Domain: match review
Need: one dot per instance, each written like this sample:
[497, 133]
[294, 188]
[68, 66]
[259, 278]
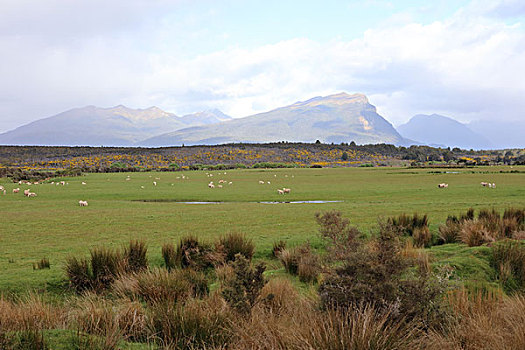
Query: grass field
[53, 225]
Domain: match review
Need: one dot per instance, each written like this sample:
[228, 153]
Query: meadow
[54, 226]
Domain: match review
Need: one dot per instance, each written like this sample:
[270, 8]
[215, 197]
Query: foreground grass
[52, 225]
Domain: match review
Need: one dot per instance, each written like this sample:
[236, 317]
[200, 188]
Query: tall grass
[235, 243]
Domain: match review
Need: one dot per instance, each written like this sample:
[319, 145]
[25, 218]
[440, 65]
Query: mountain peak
[338, 99]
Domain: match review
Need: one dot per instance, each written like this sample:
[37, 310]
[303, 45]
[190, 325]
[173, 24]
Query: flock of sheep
[484, 184]
[211, 184]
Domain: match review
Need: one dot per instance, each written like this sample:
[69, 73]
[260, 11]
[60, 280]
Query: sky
[463, 59]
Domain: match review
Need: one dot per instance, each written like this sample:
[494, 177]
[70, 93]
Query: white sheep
[280, 191]
[16, 190]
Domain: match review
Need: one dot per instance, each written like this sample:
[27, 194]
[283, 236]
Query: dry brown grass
[308, 328]
[30, 313]
[483, 322]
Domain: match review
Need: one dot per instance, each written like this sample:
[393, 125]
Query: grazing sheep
[442, 185]
[16, 190]
[1, 188]
[31, 194]
[220, 186]
[261, 182]
[484, 184]
[26, 192]
[83, 203]
[286, 190]
[268, 182]
[154, 183]
[83, 183]
[229, 183]
[280, 191]
[211, 185]
[493, 185]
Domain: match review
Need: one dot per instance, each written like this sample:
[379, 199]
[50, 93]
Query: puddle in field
[302, 202]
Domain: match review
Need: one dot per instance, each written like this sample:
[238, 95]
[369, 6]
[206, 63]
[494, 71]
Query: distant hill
[207, 117]
[501, 134]
[438, 130]
[95, 126]
[336, 118]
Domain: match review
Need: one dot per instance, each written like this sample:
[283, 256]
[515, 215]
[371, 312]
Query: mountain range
[335, 118]
[440, 131]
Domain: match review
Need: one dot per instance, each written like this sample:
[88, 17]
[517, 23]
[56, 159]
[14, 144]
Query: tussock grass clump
[29, 313]
[450, 231]
[135, 255]
[406, 224]
[488, 227]
[474, 233]
[113, 320]
[278, 247]
[422, 237]
[196, 324]
[42, 264]
[79, 274]
[233, 244]
[306, 328]
[508, 259]
[159, 285]
[169, 254]
[301, 261]
[106, 264]
[481, 323]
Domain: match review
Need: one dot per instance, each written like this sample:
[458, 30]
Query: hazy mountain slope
[336, 118]
[211, 116]
[439, 130]
[502, 134]
[94, 126]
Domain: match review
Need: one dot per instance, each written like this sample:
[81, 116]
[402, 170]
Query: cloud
[467, 66]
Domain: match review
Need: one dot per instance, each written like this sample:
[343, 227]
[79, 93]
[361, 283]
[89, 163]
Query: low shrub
[233, 244]
[193, 254]
[243, 288]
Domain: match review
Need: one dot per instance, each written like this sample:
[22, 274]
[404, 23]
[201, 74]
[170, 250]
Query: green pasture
[53, 225]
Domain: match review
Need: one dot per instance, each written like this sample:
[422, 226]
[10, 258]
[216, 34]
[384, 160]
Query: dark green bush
[193, 254]
[242, 289]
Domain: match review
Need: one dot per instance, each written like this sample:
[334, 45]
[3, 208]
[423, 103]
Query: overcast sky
[464, 59]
